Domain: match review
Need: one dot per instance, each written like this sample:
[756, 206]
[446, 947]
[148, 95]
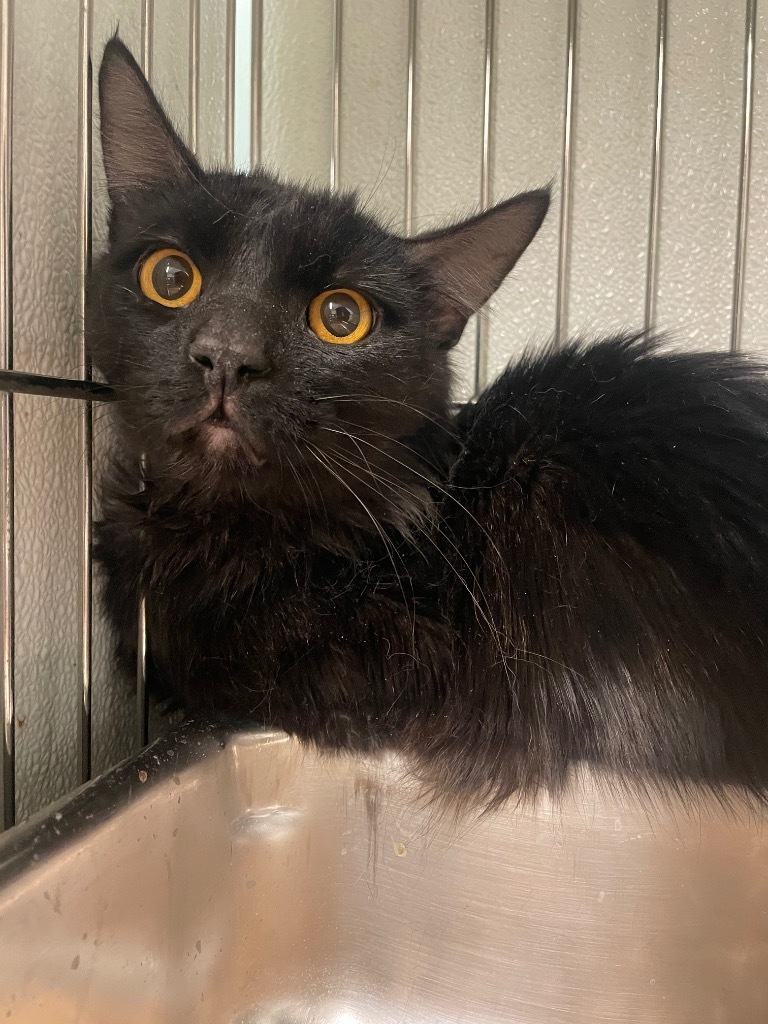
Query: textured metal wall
[49, 455]
[429, 107]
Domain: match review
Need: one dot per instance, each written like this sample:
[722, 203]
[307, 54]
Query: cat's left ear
[467, 262]
[140, 147]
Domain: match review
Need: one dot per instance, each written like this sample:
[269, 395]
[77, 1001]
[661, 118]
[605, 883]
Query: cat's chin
[221, 438]
[219, 443]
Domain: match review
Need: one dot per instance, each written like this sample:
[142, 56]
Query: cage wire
[242, 18]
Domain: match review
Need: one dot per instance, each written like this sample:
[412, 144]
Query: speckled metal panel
[47, 444]
[373, 103]
[296, 86]
[527, 132]
[612, 167]
[48, 454]
[701, 172]
[755, 337]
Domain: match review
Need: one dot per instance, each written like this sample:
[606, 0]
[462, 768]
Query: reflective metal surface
[242, 879]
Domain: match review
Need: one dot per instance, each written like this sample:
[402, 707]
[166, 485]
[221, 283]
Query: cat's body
[572, 569]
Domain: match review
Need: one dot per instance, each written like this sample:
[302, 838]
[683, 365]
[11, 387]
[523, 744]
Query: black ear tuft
[140, 147]
[468, 261]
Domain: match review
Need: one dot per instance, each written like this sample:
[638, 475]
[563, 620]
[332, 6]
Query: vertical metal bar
[257, 35]
[229, 103]
[338, 15]
[654, 221]
[564, 254]
[744, 177]
[489, 81]
[409, 114]
[8, 753]
[142, 697]
[194, 74]
[147, 36]
[84, 134]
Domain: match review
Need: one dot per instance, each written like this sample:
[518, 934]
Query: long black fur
[572, 570]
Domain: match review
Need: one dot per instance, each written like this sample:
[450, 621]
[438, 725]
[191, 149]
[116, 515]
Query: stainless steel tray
[238, 878]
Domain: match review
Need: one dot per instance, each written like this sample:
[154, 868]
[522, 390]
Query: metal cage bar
[229, 96]
[147, 36]
[486, 156]
[142, 697]
[85, 149]
[337, 18]
[654, 218]
[745, 171]
[8, 753]
[564, 249]
[21, 383]
[193, 85]
[257, 36]
[410, 99]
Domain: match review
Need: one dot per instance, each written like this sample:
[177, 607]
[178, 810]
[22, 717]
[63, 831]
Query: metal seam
[482, 331]
[409, 115]
[654, 217]
[193, 83]
[86, 412]
[564, 250]
[229, 96]
[147, 36]
[742, 224]
[257, 29]
[7, 692]
[337, 18]
[142, 697]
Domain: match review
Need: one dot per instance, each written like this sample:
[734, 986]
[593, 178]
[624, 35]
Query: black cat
[571, 570]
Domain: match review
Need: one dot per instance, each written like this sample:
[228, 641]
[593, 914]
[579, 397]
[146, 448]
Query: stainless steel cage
[250, 31]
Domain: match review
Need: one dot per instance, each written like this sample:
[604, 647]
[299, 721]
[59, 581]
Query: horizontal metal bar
[21, 383]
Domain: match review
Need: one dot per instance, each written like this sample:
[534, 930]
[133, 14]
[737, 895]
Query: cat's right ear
[140, 147]
[468, 261]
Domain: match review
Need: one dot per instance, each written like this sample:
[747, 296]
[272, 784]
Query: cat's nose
[228, 363]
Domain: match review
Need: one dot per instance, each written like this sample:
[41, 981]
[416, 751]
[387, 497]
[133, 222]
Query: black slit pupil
[340, 314]
[172, 277]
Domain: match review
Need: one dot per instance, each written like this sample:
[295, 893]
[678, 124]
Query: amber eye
[170, 278]
[340, 316]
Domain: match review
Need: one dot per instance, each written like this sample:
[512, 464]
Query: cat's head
[272, 344]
